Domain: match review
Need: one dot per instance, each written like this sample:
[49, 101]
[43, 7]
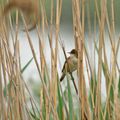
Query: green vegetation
[46, 100]
[66, 16]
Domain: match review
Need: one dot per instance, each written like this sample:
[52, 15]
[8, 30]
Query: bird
[70, 64]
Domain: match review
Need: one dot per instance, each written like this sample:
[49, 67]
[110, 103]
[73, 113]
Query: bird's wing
[68, 59]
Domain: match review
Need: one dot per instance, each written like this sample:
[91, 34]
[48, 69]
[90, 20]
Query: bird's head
[73, 52]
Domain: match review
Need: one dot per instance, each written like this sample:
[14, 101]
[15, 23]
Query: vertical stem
[101, 38]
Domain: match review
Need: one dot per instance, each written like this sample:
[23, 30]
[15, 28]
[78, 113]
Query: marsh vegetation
[89, 26]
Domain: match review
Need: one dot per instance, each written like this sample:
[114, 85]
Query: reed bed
[16, 99]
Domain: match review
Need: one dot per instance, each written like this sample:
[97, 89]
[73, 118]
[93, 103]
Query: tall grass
[16, 99]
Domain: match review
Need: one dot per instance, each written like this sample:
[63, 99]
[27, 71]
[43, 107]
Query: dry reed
[53, 103]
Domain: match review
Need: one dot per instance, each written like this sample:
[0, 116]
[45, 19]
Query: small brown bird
[70, 64]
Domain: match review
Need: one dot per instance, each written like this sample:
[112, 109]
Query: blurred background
[67, 37]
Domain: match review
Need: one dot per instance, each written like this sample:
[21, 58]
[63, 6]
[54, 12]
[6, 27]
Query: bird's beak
[68, 52]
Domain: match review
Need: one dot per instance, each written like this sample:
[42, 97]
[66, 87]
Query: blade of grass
[7, 88]
[60, 104]
[26, 66]
[34, 117]
[70, 101]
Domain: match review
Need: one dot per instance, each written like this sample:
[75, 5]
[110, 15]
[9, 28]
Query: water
[67, 38]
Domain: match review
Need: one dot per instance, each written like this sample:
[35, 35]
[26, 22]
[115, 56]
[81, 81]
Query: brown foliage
[27, 7]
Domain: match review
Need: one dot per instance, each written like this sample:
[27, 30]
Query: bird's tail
[62, 77]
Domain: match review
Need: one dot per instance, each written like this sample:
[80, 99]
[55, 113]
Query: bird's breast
[72, 64]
